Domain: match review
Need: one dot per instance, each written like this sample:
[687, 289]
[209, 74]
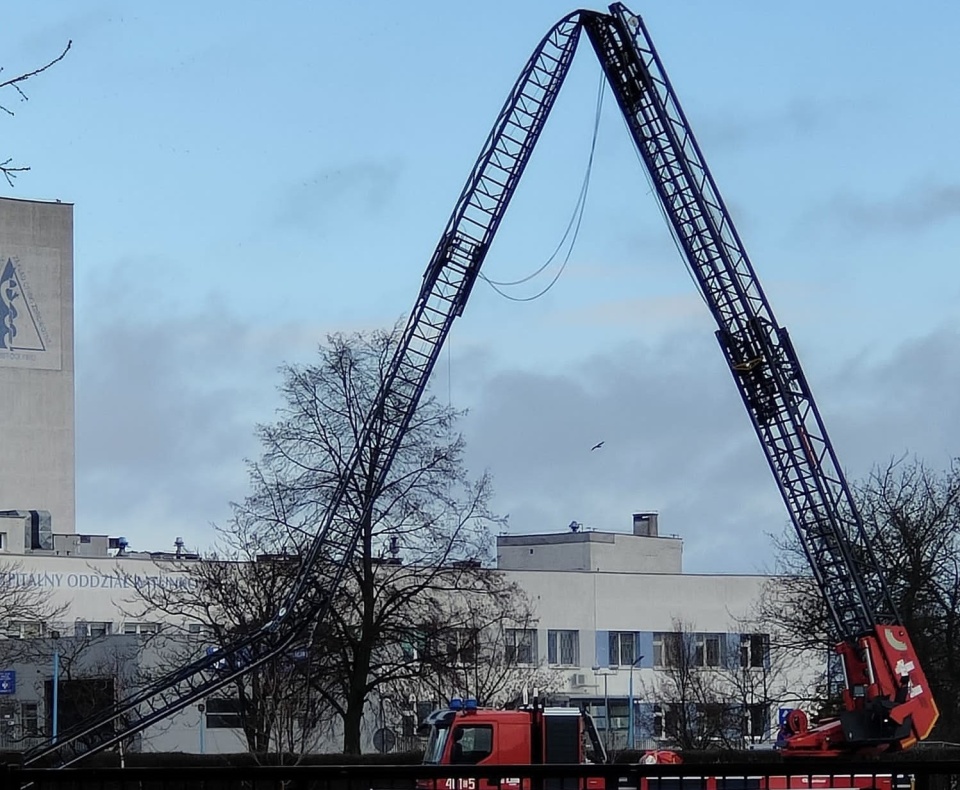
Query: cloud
[166, 410]
[801, 116]
[677, 440]
[915, 208]
[902, 403]
[333, 192]
[167, 402]
[662, 313]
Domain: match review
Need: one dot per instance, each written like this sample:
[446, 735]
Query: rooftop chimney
[645, 524]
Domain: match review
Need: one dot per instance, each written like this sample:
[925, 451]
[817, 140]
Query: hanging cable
[663, 211]
[573, 225]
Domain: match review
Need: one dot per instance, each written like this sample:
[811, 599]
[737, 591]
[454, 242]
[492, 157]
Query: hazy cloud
[915, 208]
[802, 115]
[677, 440]
[331, 192]
[166, 410]
[165, 416]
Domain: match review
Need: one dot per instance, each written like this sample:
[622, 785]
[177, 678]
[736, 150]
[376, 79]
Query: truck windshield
[433, 752]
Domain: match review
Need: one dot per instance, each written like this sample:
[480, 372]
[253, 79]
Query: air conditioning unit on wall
[580, 679]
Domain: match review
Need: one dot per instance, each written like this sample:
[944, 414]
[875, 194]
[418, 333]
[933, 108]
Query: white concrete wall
[89, 587]
[590, 551]
[592, 602]
[36, 359]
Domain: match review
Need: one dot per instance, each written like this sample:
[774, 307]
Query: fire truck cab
[466, 734]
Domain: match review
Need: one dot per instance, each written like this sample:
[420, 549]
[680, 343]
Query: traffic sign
[8, 681]
[384, 740]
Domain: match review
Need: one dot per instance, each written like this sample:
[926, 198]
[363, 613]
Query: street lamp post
[605, 673]
[55, 691]
[630, 739]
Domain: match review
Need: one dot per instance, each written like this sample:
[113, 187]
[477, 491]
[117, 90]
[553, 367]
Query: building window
[460, 647]
[425, 708]
[141, 628]
[25, 629]
[754, 650]
[667, 649]
[619, 715]
[30, 719]
[411, 648]
[598, 712]
[563, 648]
[757, 720]
[93, 630]
[223, 714]
[623, 648]
[671, 722]
[676, 649]
[521, 646]
[711, 652]
[200, 630]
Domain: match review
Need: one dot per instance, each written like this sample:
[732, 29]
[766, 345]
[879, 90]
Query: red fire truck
[465, 734]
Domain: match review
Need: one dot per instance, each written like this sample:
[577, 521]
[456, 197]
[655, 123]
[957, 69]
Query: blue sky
[249, 178]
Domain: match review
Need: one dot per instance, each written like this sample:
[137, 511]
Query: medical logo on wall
[30, 311]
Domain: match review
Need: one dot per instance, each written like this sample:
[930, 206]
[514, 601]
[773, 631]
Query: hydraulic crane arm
[888, 701]
[447, 283]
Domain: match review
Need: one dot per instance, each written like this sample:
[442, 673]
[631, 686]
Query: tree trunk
[352, 721]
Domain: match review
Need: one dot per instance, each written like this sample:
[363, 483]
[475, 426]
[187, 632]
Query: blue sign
[8, 681]
[782, 714]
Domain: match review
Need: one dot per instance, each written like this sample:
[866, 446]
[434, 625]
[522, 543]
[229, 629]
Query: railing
[806, 775]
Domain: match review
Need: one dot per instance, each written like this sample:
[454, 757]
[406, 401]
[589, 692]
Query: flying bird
[597, 446]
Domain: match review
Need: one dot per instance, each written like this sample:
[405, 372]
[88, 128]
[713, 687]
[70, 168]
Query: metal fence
[806, 775]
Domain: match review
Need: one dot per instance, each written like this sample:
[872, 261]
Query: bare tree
[913, 514]
[419, 570]
[477, 647]
[27, 611]
[15, 85]
[501, 659]
[424, 536]
[212, 602]
[94, 669]
[695, 704]
[721, 689]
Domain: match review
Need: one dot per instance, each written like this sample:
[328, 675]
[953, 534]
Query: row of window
[460, 646]
[669, 649]
[22, 720]
[34, 629]
[664, 721]
[674, 649]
